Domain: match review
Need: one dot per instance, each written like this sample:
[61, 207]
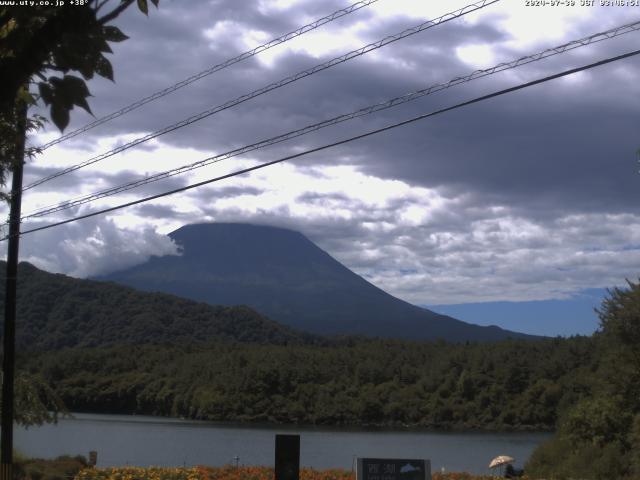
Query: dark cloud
[539, 187]
[313, 197]
[543, 150]
[212, 193]
[35, 172]
[149, 210]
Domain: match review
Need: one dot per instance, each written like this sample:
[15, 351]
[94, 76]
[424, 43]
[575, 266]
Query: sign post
[287, 457]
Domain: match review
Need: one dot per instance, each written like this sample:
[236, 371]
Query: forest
[509, 385]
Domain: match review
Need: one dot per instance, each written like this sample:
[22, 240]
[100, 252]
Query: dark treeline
[506, 385]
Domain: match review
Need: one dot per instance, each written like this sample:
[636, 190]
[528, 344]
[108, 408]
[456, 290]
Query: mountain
[56, 311]
[285, 276]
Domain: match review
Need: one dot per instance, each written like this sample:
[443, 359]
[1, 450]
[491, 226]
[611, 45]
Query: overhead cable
[272, 86]
[213, 69]
[611, 33]
[334, 144]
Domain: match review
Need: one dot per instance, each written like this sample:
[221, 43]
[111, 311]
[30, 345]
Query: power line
[216, 68]
[272, 86]
[340, 142]
[611, 33]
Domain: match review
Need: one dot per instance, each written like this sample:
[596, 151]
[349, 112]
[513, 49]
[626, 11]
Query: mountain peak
[234, 248]
[232, 228]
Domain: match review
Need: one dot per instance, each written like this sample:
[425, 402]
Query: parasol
[501, 460]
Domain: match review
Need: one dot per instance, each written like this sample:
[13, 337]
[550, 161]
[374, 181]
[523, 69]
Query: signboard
[393, 469]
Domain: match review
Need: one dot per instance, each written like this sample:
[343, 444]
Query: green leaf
[25, 96]
[113, 34]
[60, 96]
[144, 8]
[76, 84]
[104, 47]
[82, 102]
[76, 91]
[87, 66]
[155, 2]
[63, 58]
[70, 91]
[104, 68]
[60, 116]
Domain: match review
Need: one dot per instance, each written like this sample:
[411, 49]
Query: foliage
[41, 46]
[41, 39]
[599, 437]
[61, 468]
[620, 324]
[12, 124]
[139, 473]
[233, 473]
[35, 401]
[267, 473]
[517, 385]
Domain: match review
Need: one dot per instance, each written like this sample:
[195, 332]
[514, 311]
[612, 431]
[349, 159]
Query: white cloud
[478, 56]
[92, 247]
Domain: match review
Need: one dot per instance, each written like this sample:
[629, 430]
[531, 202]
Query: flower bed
[235, 473]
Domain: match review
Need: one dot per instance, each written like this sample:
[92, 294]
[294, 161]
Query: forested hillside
[508, 385]
[56, 311]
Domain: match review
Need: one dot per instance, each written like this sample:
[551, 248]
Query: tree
[599, 437]
[620, 329]
[620, 318]
[36, 402]
[40, 46]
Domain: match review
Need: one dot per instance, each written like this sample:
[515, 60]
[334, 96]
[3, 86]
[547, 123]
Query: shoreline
[390, 427]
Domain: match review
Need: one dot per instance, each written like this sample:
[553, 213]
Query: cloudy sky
[516, 211]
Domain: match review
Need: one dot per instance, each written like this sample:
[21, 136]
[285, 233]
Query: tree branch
[115, 12]
[100, 4]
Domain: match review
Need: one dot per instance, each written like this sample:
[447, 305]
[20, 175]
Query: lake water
[143, 441]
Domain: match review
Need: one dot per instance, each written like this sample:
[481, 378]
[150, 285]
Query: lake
[143, 441]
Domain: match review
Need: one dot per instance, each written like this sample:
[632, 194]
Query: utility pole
[9, 339]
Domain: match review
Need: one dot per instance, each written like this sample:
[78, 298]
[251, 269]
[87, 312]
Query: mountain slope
[56, 311]
[285, 276]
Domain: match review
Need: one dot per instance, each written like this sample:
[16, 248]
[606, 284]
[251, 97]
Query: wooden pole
[9, 339]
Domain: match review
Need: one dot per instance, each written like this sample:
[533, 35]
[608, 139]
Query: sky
[517, 211]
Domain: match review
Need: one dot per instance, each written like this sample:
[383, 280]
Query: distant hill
[56, 311]
[283, 275]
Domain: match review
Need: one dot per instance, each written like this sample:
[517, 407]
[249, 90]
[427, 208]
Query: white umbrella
[501, 460]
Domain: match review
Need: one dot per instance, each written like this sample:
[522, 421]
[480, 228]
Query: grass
[61, 468]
